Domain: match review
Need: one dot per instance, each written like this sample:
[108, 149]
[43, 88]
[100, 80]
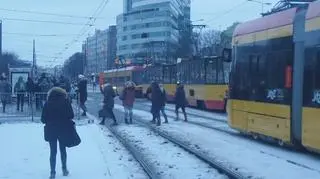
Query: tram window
[317, 71]
[184, 72]
[203, 72]
[221, 77]
[211, 74]
[276, 65]
[173, 74]
[166, 75]
[195, 70]
[136, 77]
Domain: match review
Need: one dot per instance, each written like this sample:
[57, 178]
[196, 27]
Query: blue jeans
[128, 112]
[164, 113]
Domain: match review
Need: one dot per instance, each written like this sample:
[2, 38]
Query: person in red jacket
[128, 98]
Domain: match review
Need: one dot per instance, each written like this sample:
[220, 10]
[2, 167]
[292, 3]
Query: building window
[124, 38]
[123, 47]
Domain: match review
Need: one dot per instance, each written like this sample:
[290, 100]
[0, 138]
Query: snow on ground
[170, 161]
[192, 111]
[204, 121]
[249, 157]
[25, 155]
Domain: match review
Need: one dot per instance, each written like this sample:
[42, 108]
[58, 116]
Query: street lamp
[262, 4]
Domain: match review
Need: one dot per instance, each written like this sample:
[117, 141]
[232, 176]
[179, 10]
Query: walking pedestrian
[64, 84]
[157, 102]
[148, 96]
[108, 103]
[57, 115]
[128, 98]
[163, 102]
[45, 85]
[5, 89]
[181, 101]
[83, 94]
[20, 89]
[30, 89]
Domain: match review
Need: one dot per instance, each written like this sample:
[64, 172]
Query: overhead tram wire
[226, 12]
[85, 29]
[44, 21]
[46, 13]
[36, 35]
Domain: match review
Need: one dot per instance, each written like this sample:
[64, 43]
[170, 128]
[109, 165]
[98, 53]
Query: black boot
[102, 122]
[130, 120]
[159, 122]
[177, 117]
[84, 113]
[185, 117]
[65, 172]
[166, 120]
[114, 123]
[52, 175]
[126, 121]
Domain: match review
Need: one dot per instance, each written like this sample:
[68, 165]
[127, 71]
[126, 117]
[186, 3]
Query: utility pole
[96, 34]
[0, 39]
[34, 62]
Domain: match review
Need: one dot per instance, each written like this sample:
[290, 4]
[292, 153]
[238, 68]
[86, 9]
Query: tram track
[231, 173]
[201, 124]
[145, 164]
[192, 114]
[152, 170]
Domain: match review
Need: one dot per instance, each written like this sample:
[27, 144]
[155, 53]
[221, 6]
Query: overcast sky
[216, 14]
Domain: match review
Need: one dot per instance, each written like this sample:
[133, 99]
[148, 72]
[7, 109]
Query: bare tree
[209, 42]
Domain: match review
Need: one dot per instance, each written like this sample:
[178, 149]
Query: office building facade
[150, 29]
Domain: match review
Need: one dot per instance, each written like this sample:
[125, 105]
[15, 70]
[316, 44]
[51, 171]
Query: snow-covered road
[248, 157]
[25, 155]
[170, 161]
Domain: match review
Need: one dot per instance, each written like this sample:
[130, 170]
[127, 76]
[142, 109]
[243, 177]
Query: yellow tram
[274, 87]
[117, 77]
[205, 81]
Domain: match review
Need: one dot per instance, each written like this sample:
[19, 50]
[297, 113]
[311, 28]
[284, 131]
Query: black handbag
[46, 133]
[73, 138]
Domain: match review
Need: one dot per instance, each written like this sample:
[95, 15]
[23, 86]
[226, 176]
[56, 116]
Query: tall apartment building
[150, 29]
[100, 50]
[112, 46]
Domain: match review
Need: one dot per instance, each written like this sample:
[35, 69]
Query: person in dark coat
[64, 84]
[57, 115]
[45, 85]
[157, 102]
[108, 103]
[83, 94]
[20, 89]
[30, 85]
[163, 102]
[30, 89]
[181, 101]
[5, 92]
[128, 98]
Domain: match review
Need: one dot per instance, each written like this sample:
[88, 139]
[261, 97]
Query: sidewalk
[24, 154]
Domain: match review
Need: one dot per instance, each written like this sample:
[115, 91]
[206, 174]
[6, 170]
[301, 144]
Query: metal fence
[29, 105]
